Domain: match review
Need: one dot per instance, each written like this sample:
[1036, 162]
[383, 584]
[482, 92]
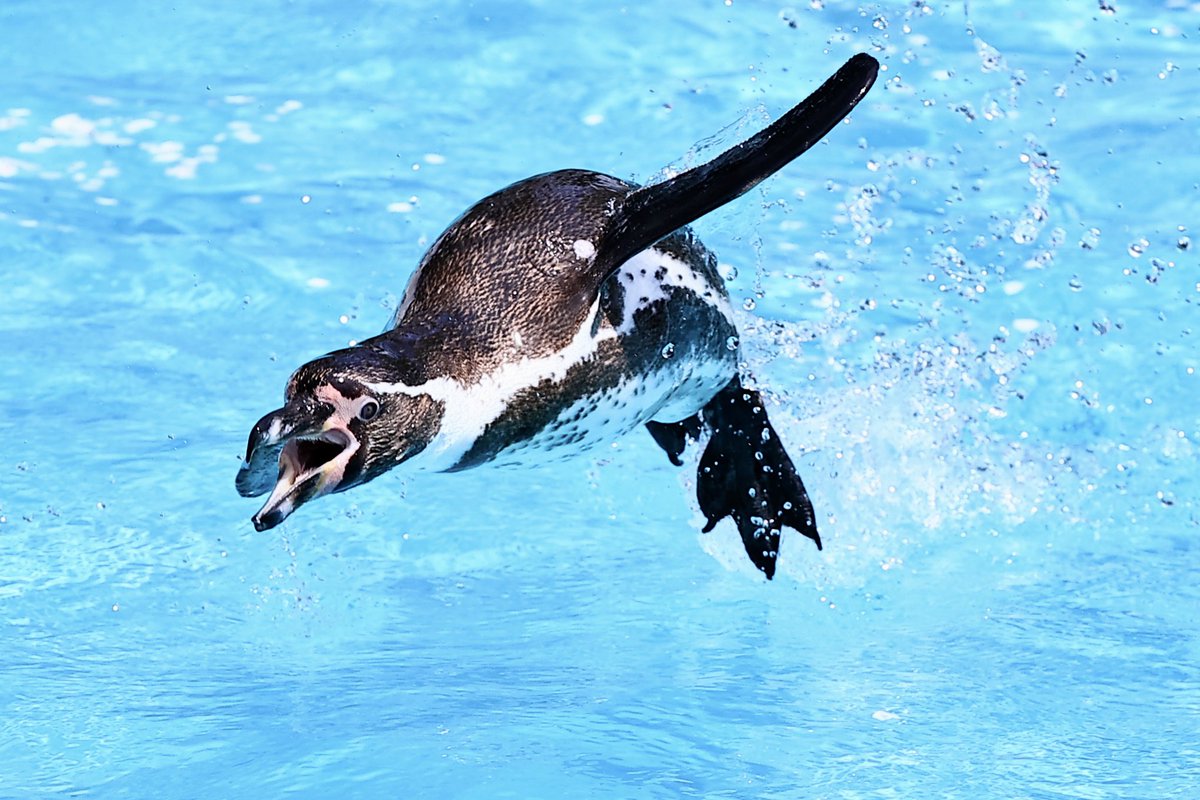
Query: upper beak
[296, 455]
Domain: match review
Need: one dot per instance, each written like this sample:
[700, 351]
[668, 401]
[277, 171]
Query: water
[974, 306]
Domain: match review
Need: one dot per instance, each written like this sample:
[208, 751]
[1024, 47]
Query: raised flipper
[648, 214]
[746, 474]
[673, 436]
[641, 216]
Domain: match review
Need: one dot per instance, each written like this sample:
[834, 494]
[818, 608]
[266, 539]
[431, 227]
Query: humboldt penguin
[555, 315]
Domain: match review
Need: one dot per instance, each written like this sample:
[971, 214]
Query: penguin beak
[296, 458]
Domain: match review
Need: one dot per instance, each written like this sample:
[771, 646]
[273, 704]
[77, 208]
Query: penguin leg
[673, 436]
[746, 474]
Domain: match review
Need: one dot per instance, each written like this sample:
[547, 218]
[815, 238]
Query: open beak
[296, 457]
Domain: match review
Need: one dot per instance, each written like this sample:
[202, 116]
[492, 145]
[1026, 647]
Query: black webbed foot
[673, 436]
[746, 474]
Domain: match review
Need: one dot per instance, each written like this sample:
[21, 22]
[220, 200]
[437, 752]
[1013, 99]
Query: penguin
[560, 313]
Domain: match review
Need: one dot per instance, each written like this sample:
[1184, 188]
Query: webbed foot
[746, 474]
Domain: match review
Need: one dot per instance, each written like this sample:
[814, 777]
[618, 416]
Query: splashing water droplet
[668, 350]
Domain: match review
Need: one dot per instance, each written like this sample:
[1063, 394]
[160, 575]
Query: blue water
[974, 305]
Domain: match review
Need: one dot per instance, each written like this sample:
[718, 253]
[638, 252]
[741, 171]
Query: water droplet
[728, 272]
[668, 350]
[731, 343]
[1184, 243]
[749, 304]
[1137, 248]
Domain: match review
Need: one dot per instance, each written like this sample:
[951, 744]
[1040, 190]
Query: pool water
[974, 308]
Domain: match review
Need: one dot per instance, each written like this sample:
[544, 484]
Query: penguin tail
[746, 474]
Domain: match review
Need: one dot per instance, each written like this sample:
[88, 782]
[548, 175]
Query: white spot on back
[584, 249]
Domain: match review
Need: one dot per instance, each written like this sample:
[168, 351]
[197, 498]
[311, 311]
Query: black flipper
[746, 474]
[673, 436]
[648, 214]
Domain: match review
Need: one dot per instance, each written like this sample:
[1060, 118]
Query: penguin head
[333, 432]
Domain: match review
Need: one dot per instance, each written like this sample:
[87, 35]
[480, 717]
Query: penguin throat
[310, 454]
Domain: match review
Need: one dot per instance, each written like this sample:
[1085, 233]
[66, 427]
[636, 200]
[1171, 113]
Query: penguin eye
[368, 410]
